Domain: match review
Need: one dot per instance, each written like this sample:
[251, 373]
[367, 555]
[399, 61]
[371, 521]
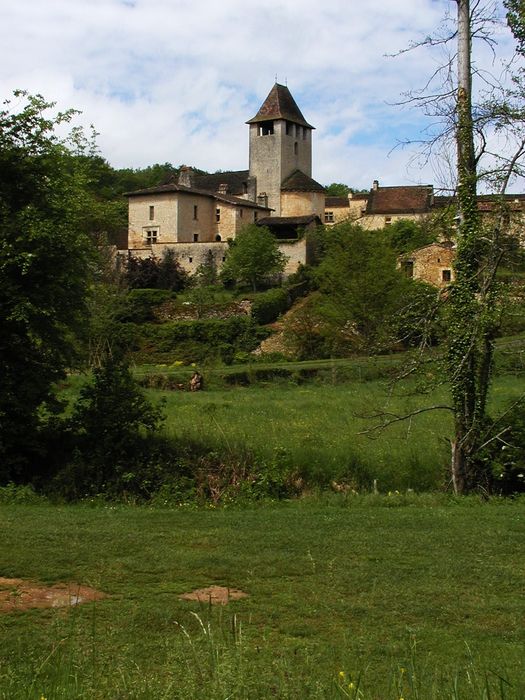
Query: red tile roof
[280, 105]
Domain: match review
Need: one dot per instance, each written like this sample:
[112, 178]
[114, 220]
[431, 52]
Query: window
[195, 211]
[408, 268]
[304, 133]
[190, 260]
[195, 237]
[218, 238]
[289, 129]
[266, 128]
[388, 220]
[329, 217]
[241, 213]
[255, 215]
[295, 148]
[217, 215]
[223, 258]
[297, 131]
[446, 275]
[150, 235]
[151, 213]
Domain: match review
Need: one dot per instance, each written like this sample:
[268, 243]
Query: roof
[414, 199]
[299, 182]
[444, 245]
[486, 202]
[174, 187]
[289, 220]
[336, 202]
[235, 179]
[280, 105]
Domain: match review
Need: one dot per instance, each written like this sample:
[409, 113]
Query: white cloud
[175, 80]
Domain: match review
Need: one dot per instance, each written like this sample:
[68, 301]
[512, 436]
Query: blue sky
[176, 80]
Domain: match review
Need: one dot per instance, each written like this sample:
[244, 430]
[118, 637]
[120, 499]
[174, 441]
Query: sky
[176, 80]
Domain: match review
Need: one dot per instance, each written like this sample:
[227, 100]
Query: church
[199, 213]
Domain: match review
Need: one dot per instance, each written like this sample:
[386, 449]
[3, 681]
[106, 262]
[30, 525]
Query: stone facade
[432, 264]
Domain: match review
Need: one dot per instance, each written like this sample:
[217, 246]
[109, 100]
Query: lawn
[407, 596]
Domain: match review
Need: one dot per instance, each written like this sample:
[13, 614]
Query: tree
[44, 270]
[253, 256]
[474, 301]
[156, 273]
[337, 189]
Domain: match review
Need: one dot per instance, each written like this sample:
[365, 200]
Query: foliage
[269, 305]
[107, 433]
[156, 273]
[405, 235]
[360, 288]
[140, 304]
[195, 341]
[44, 266]
[206, 275]
[337, 189]
[506, 455]
[253, 256]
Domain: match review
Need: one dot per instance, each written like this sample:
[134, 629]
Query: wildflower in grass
[342, 675]
[351, 686]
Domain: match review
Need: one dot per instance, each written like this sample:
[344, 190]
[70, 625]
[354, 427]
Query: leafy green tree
[405, 235]
[44, 270]
[337, 189]
[253, 256]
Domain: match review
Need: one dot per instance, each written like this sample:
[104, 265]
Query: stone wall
[431, 264]
[302, 204]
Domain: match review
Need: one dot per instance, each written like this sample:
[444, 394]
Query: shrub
[269, 305]
[140, 304]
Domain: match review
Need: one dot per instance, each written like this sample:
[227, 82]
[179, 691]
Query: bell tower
[280, 144]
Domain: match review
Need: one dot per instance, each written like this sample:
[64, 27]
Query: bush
[197, 341]
[268, 306]
[140, 304]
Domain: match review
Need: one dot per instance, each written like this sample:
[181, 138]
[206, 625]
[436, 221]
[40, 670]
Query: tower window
[289, 129]
[266, 128]
[255, 215]
[195, 237]
[195, 211]
[296, 148]
[304, 133]
[151, 213]
[218, 238]
[217, 215]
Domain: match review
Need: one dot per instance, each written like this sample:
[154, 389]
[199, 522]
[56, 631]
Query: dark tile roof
[174, 187]
[236, 181]
[486, 202]
[414, 199]
[288, 220]
[336, 202]
[280, 105]
[299, 182]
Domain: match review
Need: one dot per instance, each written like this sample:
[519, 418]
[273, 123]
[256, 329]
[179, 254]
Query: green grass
[366, 585]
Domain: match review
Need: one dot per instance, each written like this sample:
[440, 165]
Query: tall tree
[44, 266]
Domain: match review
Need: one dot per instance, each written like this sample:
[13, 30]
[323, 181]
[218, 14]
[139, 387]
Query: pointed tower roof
[280, 105]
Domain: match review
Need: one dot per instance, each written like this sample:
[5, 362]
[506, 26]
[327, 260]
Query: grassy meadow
[370, 597]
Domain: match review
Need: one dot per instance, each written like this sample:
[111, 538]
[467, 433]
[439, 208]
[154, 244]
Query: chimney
[223, 188]
[262, 199]
[186, 176]
[375, 185]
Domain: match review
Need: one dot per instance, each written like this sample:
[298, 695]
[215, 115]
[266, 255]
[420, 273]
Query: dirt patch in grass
[216, 595]
[18, 594]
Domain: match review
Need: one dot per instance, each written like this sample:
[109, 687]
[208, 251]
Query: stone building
[198, 214]
[432, 263]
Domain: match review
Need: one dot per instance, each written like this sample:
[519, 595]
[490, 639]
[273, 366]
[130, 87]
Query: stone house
[432, 263]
